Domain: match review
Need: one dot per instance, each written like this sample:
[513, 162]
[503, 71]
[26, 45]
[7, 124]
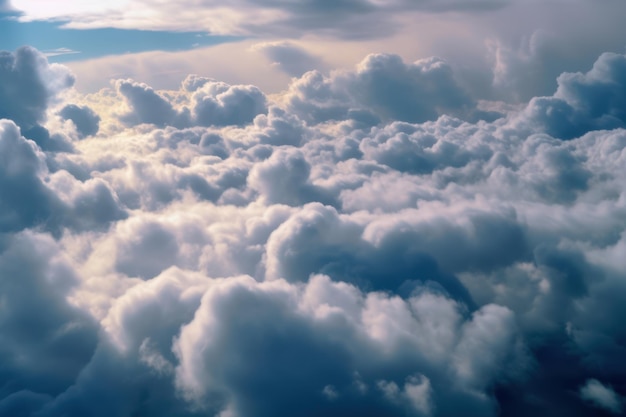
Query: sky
[399, 208]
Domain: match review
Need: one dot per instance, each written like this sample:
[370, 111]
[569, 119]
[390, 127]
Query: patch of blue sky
[64, 45]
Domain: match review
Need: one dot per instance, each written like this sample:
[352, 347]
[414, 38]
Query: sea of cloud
[372, 242]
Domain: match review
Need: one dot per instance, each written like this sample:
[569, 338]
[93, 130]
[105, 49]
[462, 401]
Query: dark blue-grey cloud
[5, 5]
[393, 256]
[45, 342]
[27, 201]
[353, 19]
[413, 93]
[87, 122]
[147, 106]
[49, 142]
[28, 85]
[583, 102]
[30, 202]
[142, 324]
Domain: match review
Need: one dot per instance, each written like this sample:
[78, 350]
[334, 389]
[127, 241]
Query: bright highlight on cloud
[601, 396]
[375, 241]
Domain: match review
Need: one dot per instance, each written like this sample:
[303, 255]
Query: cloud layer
[358, 18]
[374, 241]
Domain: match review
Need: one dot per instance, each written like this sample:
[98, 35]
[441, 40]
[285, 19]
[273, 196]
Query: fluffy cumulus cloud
[374, 241]
[384, 86]
[29, 85]
[208, 103]
[583, 102]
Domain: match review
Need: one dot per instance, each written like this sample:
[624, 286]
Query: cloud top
[371, 241]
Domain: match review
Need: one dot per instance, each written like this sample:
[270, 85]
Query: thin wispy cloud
[245, 17]
[59, 51]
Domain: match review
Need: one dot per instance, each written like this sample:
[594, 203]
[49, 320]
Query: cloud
[359, 18]
[388, 88]
[529, 45]
[29, 84]
[60, 51]
[87, 122]
[39, 326]
[147, 106]
[290, 58]
[307, 339]
[363, 243]
[211, 103]
[601, 396]
[582, 102]
[416, 151]
[528, 57]
[284, 178]
[28, 201]
[220, 104]
[34, 200]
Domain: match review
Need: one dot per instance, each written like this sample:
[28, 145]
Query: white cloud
[59, 51]
[601, 396]
[323, 251]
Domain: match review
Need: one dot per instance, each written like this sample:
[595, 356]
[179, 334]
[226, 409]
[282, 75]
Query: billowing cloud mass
[29, 85]
[374, 241]
[211, 103]
[583, 102]
[384, 87]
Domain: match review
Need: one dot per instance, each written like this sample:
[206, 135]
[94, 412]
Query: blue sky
[339, 208]
[50, 37]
